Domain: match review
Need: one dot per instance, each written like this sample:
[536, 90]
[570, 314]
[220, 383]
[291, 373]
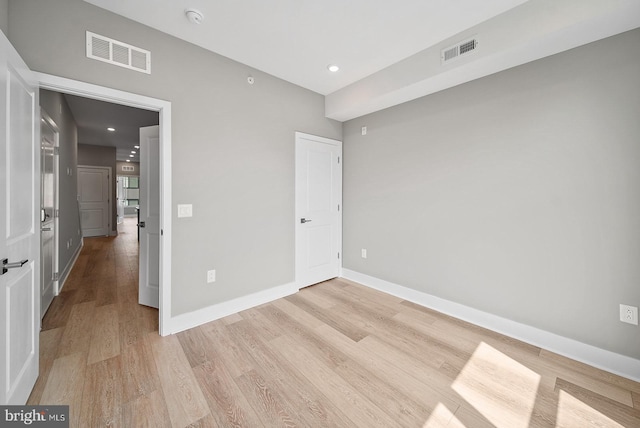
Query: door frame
[299, 136]
[102, 93]
[109, 198]
[44, 116]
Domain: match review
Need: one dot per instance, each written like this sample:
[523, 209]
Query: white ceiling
[295, 40]
[388, 50]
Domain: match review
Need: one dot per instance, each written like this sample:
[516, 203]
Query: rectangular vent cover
[460, 49]
[128, 168]
[118, 53]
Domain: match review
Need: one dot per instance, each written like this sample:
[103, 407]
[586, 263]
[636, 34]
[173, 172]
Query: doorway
[68, 86]
[318, 190]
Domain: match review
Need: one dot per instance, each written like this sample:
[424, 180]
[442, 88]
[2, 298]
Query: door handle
[305, 220]
[6, 265]
[141, 224]
[45, 229]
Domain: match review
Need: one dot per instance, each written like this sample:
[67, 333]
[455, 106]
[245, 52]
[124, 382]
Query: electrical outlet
[363, 253]
[364, 130]
[629, 314]
[211, 276]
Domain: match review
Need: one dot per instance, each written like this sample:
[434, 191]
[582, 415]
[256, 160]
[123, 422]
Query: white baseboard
[211, 313]
[606, 360]
[67, 270]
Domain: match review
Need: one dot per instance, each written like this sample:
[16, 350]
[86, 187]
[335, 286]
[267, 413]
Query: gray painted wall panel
[517, 194]
[233, 144]
[69, 224]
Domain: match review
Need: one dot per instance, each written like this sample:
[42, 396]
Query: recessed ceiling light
[128, 160]
[333, 68]
[137, 147]
[130, 156]
[133, 151]
[110, 129]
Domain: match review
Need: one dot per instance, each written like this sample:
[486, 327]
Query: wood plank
[186, 404]
[339, 323]
[228, 405]
[58, 313]
[77, 333]
[594, 408]
[339, 392]
[105, 337]
[65, 384]
[146, 411]
[139, 373]
[308, 401]
[102, 397]
[195, 346]
[49, 340]
[266, 400]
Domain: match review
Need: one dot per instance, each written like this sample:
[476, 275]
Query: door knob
[6, 265]
[141, 224]
[305, 220]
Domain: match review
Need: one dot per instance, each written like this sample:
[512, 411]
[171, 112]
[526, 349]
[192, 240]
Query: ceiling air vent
[460, 49]
[117, 53]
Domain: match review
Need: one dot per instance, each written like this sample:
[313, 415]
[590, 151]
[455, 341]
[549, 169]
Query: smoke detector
[194, 16]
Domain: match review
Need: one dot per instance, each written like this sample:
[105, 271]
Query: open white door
[49, 135]
[149, 276]
[19, 227]
[318, 205]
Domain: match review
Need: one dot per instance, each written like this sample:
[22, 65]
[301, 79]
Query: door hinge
[338, 159]
[338, 255]
[56, 213]
[338, 207]
[56, 151]
[161, 232]
[56, 276]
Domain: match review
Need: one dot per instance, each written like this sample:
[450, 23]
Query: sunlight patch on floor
[442, 417]
[573, 413]
[498, 387]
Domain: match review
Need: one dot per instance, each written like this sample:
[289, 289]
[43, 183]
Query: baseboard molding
[211, 313]
[67, 270]
[606, 360]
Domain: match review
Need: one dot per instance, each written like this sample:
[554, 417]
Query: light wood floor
[336, 354]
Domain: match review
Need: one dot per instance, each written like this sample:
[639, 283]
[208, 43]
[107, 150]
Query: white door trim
[109, 198]
[88, 90]
[299, 136]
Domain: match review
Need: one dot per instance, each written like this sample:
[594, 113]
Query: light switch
[185, 210]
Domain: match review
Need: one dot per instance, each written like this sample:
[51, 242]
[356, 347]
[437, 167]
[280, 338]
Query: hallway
[95, 318]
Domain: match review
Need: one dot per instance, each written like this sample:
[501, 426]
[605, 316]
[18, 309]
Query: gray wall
[517, 194]
[56, 107]
[233, 144]
[4, 16]
[89, 155]
[135, 165]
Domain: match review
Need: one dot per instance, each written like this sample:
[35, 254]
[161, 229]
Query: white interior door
[19, 227]
[48, 205]
[94, 191]
[149, 272]
[318, 205]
